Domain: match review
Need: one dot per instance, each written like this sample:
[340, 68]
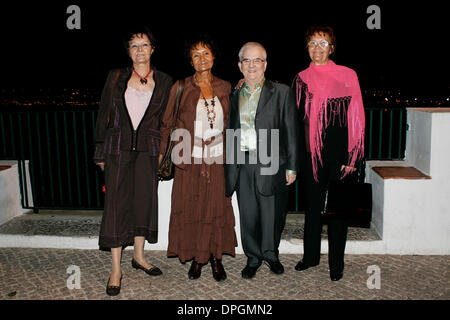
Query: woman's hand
[348, 169]
[101, 165]
[239, 84]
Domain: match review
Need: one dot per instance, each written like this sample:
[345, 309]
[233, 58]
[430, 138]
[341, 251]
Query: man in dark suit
[261, 158]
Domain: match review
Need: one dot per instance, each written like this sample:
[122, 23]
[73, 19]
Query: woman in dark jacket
[332, 115]
[127, 147]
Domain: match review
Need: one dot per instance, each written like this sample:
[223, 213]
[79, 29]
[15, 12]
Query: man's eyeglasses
[257, 61]
[321, 43]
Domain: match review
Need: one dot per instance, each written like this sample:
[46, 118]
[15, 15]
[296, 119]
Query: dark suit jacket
[114, 130]
[276, 110]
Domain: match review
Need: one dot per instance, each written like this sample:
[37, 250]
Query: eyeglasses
[321, 43]
[256, 61]
[135, 46]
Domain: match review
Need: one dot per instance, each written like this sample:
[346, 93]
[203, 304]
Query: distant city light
[373, 98]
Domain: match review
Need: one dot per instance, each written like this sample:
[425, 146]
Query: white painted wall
[418, 140]
[10, 202]
[164, 195]
[413, 216]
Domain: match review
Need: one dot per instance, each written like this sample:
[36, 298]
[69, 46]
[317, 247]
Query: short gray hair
[251, 45]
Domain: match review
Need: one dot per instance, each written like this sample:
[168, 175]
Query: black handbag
[350, 200]
[165, 169]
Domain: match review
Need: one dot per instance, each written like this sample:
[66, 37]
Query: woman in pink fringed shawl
[332, 114]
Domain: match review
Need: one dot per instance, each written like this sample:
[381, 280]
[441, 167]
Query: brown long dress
[202, 220]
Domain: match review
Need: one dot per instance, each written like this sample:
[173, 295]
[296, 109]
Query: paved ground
[87, 223]
[43, 274]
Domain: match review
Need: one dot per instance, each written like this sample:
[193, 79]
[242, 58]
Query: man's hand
[290, 178]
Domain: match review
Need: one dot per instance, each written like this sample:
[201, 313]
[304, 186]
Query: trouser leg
[315, 200]
[337, 238]
[270, 221]
[280, 218]
[249, 216]
[312, 232]
[312, 237]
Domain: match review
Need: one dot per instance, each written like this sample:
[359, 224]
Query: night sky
[408, 52]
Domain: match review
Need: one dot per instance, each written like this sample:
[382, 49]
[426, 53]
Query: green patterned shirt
[248, 103]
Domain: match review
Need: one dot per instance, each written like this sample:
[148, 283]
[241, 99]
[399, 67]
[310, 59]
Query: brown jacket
[187, 109]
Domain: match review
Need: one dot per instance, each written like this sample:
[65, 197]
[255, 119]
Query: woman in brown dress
[127, 147]
[202, 221]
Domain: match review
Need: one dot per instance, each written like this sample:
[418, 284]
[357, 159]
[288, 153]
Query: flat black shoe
[336, 276]
[113, 290]
[301, 266]
[195, 271]
[276, 266]
[153, 271]
[249, 272]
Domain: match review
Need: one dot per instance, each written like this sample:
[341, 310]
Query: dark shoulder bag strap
[178, 98]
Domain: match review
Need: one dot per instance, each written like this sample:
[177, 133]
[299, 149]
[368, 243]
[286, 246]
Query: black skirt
[131, 200]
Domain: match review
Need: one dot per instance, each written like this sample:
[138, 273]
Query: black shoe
[301, 266]
[153, 271]
[113, 290]
[336, 276]
[249, 272]
[195, 271]
[276, 266]
[218, 270]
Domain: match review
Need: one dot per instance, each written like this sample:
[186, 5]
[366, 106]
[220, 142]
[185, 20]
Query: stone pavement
[27, 273]
[86, 224]
[42, 274]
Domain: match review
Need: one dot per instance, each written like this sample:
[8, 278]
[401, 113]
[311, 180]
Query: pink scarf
[327, 82]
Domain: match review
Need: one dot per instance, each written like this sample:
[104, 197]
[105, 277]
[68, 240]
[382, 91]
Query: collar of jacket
[258, 87]
[266, 93]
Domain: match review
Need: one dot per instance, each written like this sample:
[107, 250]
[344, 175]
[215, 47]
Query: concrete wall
[413, 216]
[418, 140]
[164, 203]
[10, 201]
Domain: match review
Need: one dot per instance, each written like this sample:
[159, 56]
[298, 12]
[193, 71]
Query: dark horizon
[41, 52]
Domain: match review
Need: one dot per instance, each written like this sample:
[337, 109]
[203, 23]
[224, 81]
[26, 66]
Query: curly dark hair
[203, 39]
[321, 29]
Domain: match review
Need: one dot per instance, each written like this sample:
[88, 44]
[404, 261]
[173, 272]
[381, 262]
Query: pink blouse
[137, 102]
